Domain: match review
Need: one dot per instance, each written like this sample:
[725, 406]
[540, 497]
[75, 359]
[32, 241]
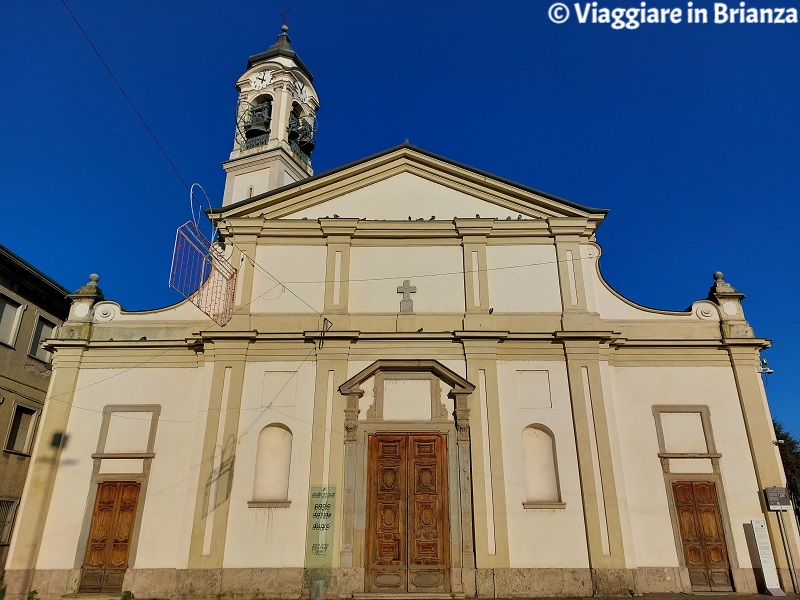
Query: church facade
[424, 387]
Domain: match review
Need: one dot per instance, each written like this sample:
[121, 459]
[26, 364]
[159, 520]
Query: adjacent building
[410, 378]
[32, 306]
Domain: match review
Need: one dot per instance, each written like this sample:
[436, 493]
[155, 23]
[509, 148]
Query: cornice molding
[315, 190]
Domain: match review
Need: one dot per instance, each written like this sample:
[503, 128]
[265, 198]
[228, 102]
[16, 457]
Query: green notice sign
[319, 535]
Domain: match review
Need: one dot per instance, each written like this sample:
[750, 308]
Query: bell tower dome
[275, 124]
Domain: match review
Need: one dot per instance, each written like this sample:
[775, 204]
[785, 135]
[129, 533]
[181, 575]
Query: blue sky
[688, 133]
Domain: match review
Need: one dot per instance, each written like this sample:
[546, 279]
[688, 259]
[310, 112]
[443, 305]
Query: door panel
[386, 528]
[702, 535]
[407, 527]
[110, 537]
[428, 544]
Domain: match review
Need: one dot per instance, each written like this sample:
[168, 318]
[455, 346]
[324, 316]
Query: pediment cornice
[283, 202]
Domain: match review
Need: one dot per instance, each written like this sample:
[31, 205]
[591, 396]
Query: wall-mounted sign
[319, 534]
[778, 498]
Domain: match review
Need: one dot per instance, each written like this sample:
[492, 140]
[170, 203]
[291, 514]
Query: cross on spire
[406, 304]
[285, 14]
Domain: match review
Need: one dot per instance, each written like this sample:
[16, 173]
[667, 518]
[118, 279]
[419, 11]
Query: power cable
[121, 89]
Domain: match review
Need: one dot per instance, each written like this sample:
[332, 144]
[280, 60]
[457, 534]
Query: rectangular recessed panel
[280, 389]
[683, 432]
[128, 432]
[407, 400]
[533, 389]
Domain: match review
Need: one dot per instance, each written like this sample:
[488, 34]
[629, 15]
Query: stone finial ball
[284, 28]
[94, 277]
[718, 276]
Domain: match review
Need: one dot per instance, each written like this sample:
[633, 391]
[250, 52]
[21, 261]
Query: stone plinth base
[288, 583]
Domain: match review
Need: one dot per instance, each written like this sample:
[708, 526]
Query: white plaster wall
[523, 279]
[241, 184]
[528, 528]
[271, 537]
[635, 391]
[375, 274]
[405, 195]
[173, 474]
[301, 268]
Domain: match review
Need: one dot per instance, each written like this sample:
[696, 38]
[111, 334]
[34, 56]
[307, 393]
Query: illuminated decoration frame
[201, 273]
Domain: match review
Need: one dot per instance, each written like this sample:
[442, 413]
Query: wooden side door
[702, 535]
[407, 525]
[110, 537]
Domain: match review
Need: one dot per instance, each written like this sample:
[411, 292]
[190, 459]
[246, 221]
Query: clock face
[300, 90]
[262, 79]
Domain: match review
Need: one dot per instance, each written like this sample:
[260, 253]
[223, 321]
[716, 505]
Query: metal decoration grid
[202, 274]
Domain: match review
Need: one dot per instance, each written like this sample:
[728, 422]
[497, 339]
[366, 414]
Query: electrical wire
[121, 89]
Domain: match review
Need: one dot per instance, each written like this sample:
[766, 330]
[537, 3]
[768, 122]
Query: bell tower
[275, 124]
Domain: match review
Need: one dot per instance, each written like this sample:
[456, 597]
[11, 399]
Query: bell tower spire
[275, 123]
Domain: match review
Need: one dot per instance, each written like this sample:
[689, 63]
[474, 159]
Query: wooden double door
[408, 541]
[110, 537]
[702, 535]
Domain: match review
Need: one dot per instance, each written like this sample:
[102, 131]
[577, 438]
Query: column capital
[338, 228]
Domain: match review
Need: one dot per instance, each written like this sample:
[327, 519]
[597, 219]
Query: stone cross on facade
[406, 304]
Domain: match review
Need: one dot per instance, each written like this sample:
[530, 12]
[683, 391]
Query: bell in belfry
[258, 126]
[259, 120]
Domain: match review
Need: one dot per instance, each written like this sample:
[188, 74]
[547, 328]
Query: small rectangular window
[8, 509]
[9, 319]
[43, 330]
[23, 425]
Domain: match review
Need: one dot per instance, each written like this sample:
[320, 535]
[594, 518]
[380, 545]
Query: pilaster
[601, 504]
[338, 236]
[209, 528]
[244, 257]
[485, 433]
[38, 491]
[473, 234]
[744, 355]
[744, 351]
[328, 423]
[568, 234]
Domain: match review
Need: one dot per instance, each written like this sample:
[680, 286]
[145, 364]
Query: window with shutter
[10, 312]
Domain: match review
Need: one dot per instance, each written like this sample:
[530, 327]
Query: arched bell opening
[257, 122]
[301, 130]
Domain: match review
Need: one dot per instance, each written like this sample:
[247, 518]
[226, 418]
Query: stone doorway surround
[459, 465]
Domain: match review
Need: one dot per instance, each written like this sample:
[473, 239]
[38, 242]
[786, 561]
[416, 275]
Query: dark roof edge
[23, 264]
[291, 54]
[354, 163]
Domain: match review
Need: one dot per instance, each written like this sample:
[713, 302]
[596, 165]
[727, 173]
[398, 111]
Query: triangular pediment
[407, 182]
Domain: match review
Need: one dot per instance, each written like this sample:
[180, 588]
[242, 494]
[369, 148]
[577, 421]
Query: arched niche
[541, 467]
[273, 465]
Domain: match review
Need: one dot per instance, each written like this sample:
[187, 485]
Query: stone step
[410, 596]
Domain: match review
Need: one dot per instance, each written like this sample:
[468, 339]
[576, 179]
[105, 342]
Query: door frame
[103, 460]
[455, 513]
[451, 420]
[716, 479]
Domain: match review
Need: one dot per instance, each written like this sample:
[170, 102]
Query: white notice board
[766, 557]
